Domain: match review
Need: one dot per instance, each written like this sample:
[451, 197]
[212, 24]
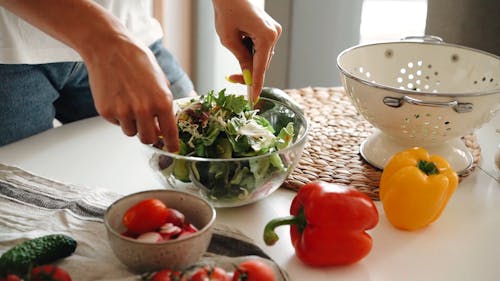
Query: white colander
[421, 93]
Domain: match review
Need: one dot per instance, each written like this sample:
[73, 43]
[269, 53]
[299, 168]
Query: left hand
[237, 19]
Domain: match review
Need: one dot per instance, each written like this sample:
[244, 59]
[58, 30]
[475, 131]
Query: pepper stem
[429, 168]
[270, 236]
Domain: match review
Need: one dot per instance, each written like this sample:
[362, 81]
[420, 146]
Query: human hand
[130, 90]
[237, 19]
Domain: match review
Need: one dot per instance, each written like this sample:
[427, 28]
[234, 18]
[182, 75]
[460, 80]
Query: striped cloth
[31, 206]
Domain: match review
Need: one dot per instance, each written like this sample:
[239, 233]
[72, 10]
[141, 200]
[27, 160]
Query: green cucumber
[181, 171]
[42, 250]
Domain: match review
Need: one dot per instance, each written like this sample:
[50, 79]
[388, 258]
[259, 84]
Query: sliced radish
[188, 229]
[175, 217]
[150, 237]
[169, 231]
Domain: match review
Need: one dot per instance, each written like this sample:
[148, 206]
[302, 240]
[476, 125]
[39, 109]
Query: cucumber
[42, 250]
[181, 171]
[224, 148]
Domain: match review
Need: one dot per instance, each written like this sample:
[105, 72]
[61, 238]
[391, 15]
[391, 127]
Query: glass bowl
[235, 181]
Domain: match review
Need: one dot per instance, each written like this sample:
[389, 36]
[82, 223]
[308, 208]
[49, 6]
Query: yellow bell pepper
[415, 188]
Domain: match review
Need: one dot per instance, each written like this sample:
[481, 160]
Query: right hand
[237, 19]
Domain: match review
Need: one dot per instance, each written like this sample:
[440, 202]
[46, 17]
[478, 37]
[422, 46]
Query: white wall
[176, 19]
[389, 20]
[317, 31]
[314, 33]
[278, 72]
[213, 62]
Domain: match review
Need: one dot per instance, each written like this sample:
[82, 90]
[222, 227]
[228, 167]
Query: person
[74, 59]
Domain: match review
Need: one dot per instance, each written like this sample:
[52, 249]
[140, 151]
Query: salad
[224, 126]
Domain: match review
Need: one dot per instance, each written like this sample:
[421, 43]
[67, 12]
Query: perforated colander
[421, 93]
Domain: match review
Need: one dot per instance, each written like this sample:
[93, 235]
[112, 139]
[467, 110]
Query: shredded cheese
[259, 136]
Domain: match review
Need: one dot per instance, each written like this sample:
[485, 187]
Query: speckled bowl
[174, 254]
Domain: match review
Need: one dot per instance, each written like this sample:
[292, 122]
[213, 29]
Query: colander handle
[457, 106]
[424, 38]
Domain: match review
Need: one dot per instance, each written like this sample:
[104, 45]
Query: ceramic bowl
[173, 254]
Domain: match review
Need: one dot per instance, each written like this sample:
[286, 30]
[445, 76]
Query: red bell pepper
[328, 224]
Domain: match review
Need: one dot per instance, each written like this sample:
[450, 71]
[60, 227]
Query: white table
[464, 244]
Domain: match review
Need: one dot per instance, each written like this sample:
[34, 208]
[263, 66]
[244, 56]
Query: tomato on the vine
[208, 273]
[49, 272]
[145, 216]
[11, 277]
[253, 270]
[167, 275]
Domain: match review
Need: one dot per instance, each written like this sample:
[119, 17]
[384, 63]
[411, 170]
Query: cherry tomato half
[145, 216]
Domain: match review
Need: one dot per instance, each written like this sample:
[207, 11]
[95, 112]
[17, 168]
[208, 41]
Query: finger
[168, 128]
[128, 127]
[236, 78]
[260, 62]
[111, 120]
[236, 45]
[264, 50]
[270, 58]
[146, 127]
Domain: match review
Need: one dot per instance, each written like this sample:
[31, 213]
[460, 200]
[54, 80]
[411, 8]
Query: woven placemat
[332, 151]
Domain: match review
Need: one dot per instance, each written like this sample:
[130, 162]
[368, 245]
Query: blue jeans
[31, 96]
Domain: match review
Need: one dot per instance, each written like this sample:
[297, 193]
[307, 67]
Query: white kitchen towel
[31, 206]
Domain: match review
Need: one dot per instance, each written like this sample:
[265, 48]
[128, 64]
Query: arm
[237, 18]
[127, 84]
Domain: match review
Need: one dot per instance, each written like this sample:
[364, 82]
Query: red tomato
[253, 270]
[207, 273]
[167, 275]
[49, 273]
[11, 277]
[145, 216]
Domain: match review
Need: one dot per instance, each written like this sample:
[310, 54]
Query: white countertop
[462, 245]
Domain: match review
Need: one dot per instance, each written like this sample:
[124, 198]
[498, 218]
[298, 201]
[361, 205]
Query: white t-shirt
[22, 43]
